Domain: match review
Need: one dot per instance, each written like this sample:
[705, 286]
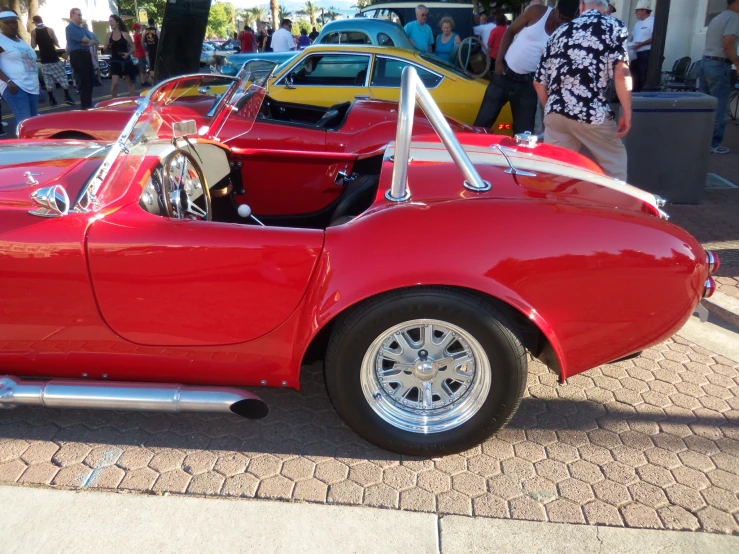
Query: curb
[724, 307]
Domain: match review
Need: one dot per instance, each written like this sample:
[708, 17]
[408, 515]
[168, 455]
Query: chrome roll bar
[412, 89]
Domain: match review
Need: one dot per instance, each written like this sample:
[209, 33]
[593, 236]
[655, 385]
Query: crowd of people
[22, 84]
[568, 63]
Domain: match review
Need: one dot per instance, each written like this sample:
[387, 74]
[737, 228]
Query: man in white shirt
[642, 39]
[282, 40]
[484, 29]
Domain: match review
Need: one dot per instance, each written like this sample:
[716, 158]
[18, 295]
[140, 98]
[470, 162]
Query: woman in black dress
[121, 47]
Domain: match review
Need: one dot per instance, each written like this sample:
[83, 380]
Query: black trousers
[639, 69]
[81, 61]
[514, 88]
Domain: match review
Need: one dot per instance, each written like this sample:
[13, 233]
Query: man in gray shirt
[715, 67]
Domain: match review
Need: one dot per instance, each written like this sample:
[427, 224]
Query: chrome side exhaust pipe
[121, 395]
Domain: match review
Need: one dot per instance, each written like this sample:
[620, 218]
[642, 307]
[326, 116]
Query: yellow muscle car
[326, 75]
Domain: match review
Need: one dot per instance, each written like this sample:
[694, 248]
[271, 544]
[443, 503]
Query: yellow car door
[323, 79]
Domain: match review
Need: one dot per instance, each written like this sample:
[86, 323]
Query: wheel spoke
[428, 396]
[406, 382]
[406, 343]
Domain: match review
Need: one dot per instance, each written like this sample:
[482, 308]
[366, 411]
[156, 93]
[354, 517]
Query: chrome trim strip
[112, 395]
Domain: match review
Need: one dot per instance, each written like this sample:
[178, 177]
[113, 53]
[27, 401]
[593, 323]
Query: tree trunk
[32, 11]
[15, 5]
[274, 7]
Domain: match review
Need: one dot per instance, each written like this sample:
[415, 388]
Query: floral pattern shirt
[579, 62]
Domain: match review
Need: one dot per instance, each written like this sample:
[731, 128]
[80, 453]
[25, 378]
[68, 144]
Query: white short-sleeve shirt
[282, 41]
[643, 31]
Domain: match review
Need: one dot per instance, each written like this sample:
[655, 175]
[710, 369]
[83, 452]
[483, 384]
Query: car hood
[27, 166]
[545, 173]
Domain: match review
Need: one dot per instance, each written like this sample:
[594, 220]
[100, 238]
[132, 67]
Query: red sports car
[140, 274]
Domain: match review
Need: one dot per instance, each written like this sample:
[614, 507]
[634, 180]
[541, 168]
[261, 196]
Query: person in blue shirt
[447, 40]
[79, 41]
[421, 35]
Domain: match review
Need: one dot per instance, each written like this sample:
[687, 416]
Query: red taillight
[709, 287]
[505, 127]
[714, 262]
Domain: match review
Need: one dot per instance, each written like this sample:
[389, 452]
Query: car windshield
[170, 111]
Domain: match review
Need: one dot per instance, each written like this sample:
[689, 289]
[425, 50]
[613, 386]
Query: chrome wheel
[425, 376]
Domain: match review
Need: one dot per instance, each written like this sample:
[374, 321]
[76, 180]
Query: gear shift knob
[244, 211]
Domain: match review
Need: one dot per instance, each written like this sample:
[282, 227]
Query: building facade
[686, 28]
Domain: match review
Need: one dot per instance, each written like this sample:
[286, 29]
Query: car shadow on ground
[304, 423]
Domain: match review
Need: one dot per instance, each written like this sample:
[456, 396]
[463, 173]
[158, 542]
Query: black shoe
[2, 132]
[52, 100]
[68, 99]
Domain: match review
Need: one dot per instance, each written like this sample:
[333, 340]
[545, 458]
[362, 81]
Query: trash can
[669, 144]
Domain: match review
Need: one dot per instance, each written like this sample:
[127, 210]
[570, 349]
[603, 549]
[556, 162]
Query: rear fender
[598, 283]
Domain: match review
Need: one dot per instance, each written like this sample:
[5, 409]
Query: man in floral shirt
[572, 80]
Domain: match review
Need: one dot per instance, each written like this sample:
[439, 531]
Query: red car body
[594, 297]
[586, 267]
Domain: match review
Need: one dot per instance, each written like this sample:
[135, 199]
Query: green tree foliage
[310, 10]
[154, 8]
[221, 20]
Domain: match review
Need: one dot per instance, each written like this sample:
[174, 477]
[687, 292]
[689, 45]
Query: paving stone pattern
[651, 442]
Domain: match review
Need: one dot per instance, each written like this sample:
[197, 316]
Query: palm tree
[245, 16]
[274, 9]
[284, 14]
[311, 10]
[258, 13]
[331, 14]
[364, 3]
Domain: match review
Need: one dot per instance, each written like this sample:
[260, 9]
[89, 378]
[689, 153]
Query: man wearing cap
[714, 70]
[19, 84]
[642, 37]
[79, 41]
[52, 68]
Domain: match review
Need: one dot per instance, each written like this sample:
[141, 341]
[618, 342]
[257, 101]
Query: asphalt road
[98, 94]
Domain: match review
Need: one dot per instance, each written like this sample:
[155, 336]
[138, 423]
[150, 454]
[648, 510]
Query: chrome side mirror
[184, 128]
[289, 81]
[205, 91]
[54, 201]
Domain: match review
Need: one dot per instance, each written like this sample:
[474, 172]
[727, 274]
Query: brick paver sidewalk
[651, 442]
[716, 222]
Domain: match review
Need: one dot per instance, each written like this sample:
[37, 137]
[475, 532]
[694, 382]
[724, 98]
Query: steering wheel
[469, 50]
[182, 180]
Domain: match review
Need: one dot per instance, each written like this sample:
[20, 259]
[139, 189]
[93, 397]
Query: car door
[172, 282]
[324, 79]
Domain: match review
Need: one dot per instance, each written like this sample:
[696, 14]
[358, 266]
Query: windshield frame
[87, 198]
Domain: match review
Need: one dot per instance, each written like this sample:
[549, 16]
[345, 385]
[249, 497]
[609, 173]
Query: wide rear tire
[426, 372]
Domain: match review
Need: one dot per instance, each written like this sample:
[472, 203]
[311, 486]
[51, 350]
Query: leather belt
[716, 59]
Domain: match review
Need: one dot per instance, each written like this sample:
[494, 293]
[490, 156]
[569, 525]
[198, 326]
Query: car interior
[319, 117]
[208, 163]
